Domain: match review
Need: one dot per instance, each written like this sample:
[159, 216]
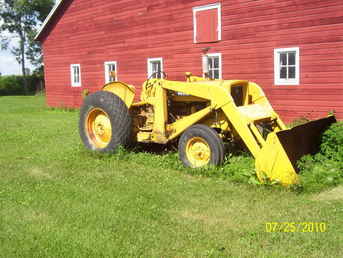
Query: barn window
[111, 72]
[215, 65]
[207, 23]
[286, 66]
[75, 72]
[155, 67]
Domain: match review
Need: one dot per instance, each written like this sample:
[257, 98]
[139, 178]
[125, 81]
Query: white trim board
[107, 77]
[73, 83]
[219, 55]
[49, 17]
[149, 60]
[277, 79]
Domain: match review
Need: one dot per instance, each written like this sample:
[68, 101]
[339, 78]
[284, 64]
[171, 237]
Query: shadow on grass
[62, 109]
[231, 149]
[153, 148]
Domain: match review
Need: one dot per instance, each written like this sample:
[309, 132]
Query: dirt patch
[331, 195]
[208, 219]
[34, 216]
[39, 173]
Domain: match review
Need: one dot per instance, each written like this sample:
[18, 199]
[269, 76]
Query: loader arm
[219, 95]
[275, 158]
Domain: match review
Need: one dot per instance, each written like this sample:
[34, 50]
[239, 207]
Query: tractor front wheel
[105, 122]
[199, 146]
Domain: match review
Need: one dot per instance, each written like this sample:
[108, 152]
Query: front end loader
[202, 115]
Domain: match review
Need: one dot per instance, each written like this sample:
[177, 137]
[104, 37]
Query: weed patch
[317, 173]
[325, 169]
[238, 168]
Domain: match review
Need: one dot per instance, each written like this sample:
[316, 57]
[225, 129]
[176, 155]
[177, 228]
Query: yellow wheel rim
[98, 128]
[198, 152]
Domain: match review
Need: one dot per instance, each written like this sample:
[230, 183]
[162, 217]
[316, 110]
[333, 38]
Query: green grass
[59, 200]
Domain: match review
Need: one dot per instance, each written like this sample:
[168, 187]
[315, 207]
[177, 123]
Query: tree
[20, 19]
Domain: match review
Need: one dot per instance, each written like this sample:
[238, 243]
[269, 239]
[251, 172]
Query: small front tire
[200, 146]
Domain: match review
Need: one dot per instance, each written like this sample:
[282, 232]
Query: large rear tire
[199, 146]
[105, 122]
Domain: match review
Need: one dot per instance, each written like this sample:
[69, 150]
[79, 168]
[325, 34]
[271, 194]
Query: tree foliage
[20, 20]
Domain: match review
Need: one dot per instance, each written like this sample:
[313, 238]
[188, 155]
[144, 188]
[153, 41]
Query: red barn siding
[129, 31]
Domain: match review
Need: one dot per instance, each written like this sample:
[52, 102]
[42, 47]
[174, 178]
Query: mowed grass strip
[59, 200]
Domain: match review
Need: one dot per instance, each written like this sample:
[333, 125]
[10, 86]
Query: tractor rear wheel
[105, 122]
[199, 146]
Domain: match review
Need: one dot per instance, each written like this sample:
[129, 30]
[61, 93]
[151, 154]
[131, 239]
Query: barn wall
[130, 31]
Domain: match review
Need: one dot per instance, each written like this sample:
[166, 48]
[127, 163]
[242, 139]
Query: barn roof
[49, 18]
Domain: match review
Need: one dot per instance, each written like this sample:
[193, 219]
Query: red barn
[292, 48]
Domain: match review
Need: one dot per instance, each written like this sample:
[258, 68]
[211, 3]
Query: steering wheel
[164, 75]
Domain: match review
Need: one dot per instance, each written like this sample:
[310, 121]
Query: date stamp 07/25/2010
[296, 227]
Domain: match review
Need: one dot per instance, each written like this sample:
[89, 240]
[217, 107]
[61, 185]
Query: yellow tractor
[201, 114]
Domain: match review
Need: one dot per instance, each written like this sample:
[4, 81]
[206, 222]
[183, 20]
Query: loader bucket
[278, 157]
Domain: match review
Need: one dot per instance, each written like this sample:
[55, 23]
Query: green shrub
[332, 143]
[14, 85]
[324, 169]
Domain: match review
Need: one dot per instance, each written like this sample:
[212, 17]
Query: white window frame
[107, 72]
[72, 75]
[220, 63]
[149, 63]
[204, 8]
[277, 79]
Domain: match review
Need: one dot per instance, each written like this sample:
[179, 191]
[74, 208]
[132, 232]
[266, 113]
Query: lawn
[59, 200]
